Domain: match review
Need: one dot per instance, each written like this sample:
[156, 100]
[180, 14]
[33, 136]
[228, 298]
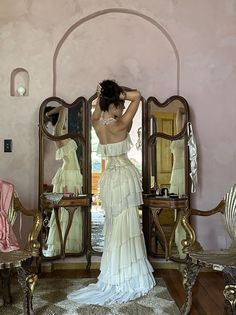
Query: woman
[68, 178]
[126, 274]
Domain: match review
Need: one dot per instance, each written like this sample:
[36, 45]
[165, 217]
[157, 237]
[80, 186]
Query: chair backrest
[230, 213]
[12, 214]
[33, 244]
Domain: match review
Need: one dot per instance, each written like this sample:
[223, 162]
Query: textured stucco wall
[136, 53]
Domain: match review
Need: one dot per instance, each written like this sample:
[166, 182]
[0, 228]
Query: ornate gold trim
[33, 244]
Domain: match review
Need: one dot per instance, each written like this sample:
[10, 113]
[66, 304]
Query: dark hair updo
[53, 118]
[110, 94]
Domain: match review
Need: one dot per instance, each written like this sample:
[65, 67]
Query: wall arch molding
[115, 10]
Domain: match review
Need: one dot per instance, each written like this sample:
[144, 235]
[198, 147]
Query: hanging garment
[8, 241]
[192, 146]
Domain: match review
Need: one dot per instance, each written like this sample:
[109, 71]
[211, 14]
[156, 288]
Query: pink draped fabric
[8, 241]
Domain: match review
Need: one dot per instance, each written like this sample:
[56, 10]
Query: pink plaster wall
[137, 54]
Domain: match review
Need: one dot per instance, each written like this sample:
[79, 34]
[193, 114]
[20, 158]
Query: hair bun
[110, 94]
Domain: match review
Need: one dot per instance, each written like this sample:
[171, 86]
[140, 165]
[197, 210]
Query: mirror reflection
[98, 166]
[63, 177]
[166, 165]
[167, 153]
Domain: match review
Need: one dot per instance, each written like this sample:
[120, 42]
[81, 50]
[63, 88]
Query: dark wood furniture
[157, 205]
[78, 129]
[70, 204]
[153, 141]
[160, 130]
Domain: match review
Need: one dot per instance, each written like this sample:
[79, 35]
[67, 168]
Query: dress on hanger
[126, 273]
[68, 177]
[192, 145]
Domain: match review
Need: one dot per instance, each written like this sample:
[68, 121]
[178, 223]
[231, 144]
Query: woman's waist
[68, 170]
[120, 160]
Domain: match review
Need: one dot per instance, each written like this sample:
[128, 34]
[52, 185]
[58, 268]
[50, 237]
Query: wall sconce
[21, 91]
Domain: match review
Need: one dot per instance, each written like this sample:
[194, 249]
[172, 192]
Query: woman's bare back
[109, 133]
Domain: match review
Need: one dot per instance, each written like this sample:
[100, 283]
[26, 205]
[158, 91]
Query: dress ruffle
[126, 273]
[67, 178]
[120, 186]
[66, 149]
[114, 149]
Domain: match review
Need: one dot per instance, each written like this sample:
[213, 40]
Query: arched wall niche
[157, 65]
[19, 82]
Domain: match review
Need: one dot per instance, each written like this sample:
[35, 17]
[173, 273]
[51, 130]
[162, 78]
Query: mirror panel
[169, 119]
[98, 166]
[165, 174]
[62, 165]
[166, 145]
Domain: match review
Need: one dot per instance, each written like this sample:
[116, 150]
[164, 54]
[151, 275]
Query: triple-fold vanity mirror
[69, 171]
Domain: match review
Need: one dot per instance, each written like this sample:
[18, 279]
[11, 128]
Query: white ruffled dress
[68, 177]
[126, 273]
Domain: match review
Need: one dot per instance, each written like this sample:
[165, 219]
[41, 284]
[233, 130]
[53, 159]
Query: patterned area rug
[50, 298]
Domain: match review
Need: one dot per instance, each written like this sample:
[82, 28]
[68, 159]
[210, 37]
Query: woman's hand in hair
[99, 89]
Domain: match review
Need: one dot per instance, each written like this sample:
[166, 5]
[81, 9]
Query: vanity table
[158, 204]
[166, 169]
[70, 203]
[165, 164]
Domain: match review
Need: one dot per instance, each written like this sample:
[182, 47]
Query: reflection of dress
[67, 176]
[177, 180]
[177, 185]
[126, 274]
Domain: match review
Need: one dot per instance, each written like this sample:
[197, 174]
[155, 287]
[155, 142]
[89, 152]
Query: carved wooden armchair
[221, 260]
[21, 259]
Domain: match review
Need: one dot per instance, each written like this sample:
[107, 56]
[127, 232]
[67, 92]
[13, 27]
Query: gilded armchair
[21, 259]
[221, 260]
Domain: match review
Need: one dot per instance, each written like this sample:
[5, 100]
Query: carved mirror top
[175, 108]
[75, 114]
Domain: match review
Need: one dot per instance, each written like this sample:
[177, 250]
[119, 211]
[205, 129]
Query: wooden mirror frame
[85, 168]
[147, 139]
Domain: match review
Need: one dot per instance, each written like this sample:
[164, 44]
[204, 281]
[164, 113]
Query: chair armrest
[32, 244]
[219, 208]
[190, 243]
